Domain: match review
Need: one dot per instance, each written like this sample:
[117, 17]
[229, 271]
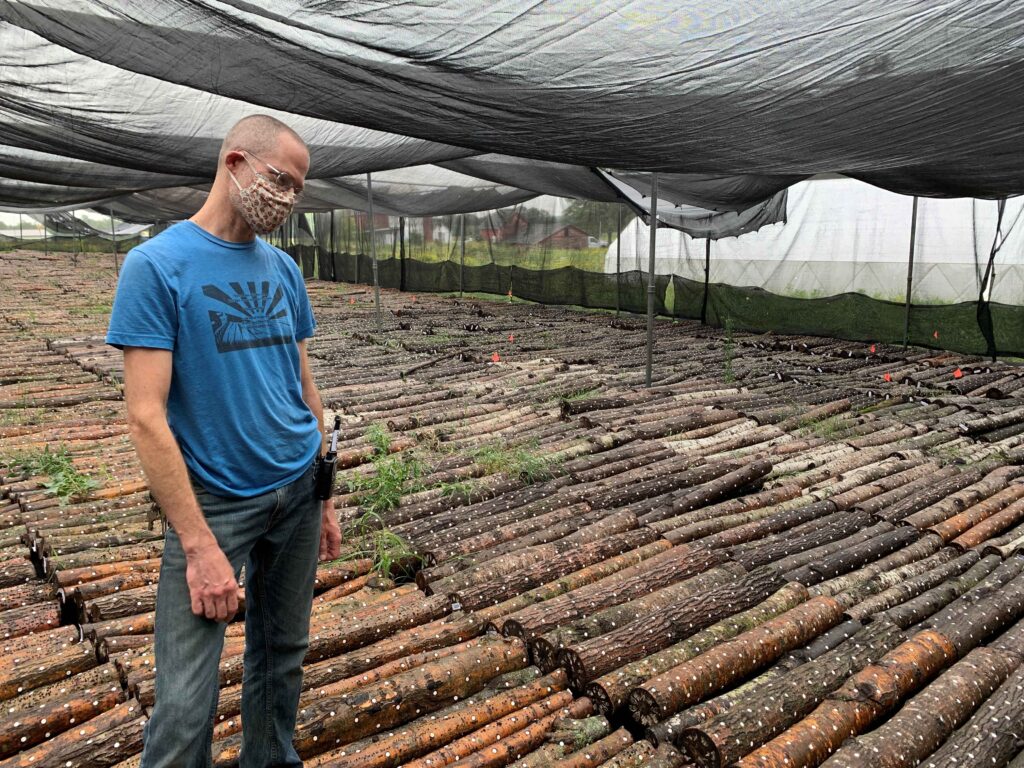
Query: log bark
[877, 689]
[429, 732]
[928, 496]
[721, 487]
[635, 756]
[993, 483]
[991, 527]
[21, 730]
[656, 486]
[690, 682]
[935, 599]
[29, 671]
[993, 735]
[928, 719]
[495, 591]
[609, 692]
[771, 708]
[330, 722]
[597, 753]
[492, 732]
[101, 741]
[544, 650]
[497, 614]
[671, 566]
[707, 520]
[849, 558]
[682, 619]
[958, 524]
[912, 587]
[17, 622]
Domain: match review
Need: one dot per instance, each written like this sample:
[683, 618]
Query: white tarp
[843, 235]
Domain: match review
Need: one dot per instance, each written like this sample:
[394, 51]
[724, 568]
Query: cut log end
[512, 628]
[543, 655]
[644, 707]
[700, 747]
[574, 667]
[602, 701]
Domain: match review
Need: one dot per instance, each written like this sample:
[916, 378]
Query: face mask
[263, 204]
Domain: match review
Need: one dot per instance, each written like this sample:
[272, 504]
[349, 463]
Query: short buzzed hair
[256, 133]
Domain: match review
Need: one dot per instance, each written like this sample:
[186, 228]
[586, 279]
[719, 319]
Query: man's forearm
[168, 480]
[311, 396]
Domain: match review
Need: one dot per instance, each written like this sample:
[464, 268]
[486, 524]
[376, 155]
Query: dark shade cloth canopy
[55, 103]
[917, 97]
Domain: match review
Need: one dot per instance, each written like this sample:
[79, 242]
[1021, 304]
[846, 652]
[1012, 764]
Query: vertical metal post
[46, 242]
[21, 230]
[359, 247]
[334, 277]
[650, 277]
[373, 253]
[462, 257]
[707, 281]
[401, 253]
[618, 261]
[910, 274]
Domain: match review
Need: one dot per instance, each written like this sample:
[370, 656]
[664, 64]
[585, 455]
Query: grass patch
[64, 481]
[518, 461]
[388, 552]
[394, 475]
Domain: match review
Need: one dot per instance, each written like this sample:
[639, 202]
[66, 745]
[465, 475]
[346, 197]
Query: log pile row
[780, 530]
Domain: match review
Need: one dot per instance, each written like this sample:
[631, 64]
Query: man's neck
[220, 219]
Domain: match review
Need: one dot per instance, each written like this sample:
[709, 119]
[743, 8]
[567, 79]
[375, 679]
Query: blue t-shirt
[232, 314]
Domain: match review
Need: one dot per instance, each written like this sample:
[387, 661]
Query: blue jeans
[276, 535]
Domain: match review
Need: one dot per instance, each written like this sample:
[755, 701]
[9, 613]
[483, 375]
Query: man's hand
[211, 583]
[330, 533]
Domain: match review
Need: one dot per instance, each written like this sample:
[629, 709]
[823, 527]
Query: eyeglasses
[283, 179]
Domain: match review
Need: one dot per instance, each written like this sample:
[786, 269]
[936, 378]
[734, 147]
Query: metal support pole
[401, 253]
[910, 274]
[334, 277]
[373, 254]
[21, 230]
[462, 257]
[650, 277]
[707, 281]
[618, 261]
[46, 242]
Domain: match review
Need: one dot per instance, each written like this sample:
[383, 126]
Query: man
[227, 424]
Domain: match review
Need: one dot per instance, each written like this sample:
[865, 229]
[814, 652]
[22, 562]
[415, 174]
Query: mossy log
[671, 566]
[494, 591]
[651, 633]
[497, 614]
[717, 668]
[930, 717]
[544, 649]
[609, 692]
[330, 722]
[769, 709]
[879, 688]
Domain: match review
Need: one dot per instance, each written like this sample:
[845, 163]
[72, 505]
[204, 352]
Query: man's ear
[233, 159]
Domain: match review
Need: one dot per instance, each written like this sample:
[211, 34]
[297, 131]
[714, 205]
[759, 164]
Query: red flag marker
[351, 299]
[511, 337]
[887, 376]
[495, 358]
[872, 349]
[935, 335]
[958, 374]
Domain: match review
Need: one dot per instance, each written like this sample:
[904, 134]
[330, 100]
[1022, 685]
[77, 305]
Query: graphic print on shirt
[249, 317]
